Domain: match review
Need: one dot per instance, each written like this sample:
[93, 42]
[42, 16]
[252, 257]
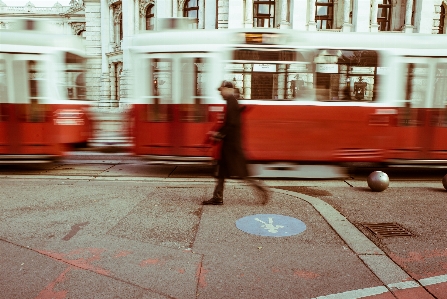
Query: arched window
[324, 14]
[191, 10]
[384, 15]
[150, 17]
[442, 17]
[264, 13]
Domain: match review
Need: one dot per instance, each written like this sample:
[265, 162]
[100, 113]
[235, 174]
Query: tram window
[161, 90]
[272, 74]
[416, 88]
[194, 74]
[35, 110]
[440, 93]
[74, 77]
[3, 83]
[345, 75]
[3, 92]
[416, 81]
[272, 81]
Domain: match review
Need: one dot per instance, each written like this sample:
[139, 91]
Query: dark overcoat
[232, 161]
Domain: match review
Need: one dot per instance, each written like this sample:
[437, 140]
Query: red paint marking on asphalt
[123, 253]
[181, 270]
[149, 262]
[305, 274]
[412, 293]
[49, 291]
[420, 256]
[414, 258]
[93, 254]
[201, 272]
[438, 290]
[275, 270]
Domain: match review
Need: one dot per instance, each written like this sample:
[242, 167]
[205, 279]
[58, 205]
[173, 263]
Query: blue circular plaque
[271, 225]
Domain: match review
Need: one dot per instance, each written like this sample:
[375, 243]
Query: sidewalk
[151, 239]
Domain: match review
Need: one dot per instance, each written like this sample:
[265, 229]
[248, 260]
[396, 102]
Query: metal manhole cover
[384, 230]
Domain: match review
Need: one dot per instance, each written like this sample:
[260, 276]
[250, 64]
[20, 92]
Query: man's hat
[227, 84]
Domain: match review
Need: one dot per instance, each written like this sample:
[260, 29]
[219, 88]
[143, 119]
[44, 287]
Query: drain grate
[385, 230]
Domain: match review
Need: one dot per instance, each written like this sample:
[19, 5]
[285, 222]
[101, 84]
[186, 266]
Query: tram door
[28, 124]
[422, 122]
[178, 116]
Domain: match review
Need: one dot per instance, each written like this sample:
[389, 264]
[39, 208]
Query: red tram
[311, 98]
[43, 105]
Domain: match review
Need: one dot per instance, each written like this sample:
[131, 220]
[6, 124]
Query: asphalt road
[109, 226]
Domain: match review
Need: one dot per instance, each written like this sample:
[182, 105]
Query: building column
[128, 12]
[284, 24]
[424, 12]
[361, 15]
[346, 10]
[408, 27]
[235, 14]
[93, 48]
[246, 89]
[281, 82]
[299, 10]
[112, 82]
[248, 21]
[201, 15]
[105, 78]
[374, 27]
[179, 8]
[210, 14]
[312, 25]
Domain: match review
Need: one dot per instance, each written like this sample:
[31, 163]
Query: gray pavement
[90, 231]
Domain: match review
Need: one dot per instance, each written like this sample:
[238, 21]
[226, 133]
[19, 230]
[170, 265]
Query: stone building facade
[107, 25]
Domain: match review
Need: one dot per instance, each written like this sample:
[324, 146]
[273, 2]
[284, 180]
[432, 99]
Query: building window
[191, 10]
[384, 15]
[442, 20]
[150, 17]
[264, 13]
[118, 26]
[324, 14]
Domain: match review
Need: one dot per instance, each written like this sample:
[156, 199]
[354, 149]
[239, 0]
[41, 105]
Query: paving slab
[151, 238]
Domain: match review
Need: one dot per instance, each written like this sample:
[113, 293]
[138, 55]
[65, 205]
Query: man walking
[232, 161]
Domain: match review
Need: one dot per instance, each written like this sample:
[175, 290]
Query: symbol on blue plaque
[271, 225]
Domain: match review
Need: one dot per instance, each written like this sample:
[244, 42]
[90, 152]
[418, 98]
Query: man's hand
[214, 136]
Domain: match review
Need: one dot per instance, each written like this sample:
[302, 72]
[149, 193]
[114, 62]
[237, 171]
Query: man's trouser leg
[218, 190]
[264, 192]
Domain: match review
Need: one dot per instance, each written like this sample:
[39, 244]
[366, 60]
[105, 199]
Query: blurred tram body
[43, 107]
[311, 97]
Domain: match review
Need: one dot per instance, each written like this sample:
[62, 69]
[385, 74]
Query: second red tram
[43, 104]
[310, 97]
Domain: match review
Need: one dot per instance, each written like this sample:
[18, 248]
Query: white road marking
[433, 280]
[403, 285]
[361, 293]
[355, 294]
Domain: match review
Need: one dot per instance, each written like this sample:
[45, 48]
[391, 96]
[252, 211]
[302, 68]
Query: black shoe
[213, 201]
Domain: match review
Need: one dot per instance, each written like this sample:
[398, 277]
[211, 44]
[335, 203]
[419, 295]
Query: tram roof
[26, 41]
[295, 38]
